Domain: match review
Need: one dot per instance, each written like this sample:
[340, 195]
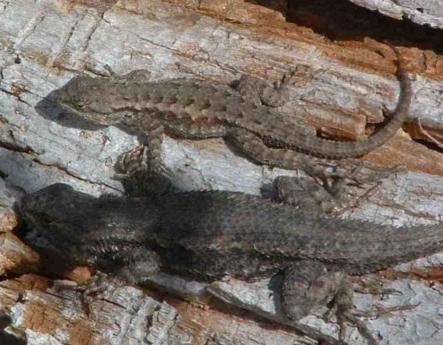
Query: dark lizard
[199, 109]
[207, 235]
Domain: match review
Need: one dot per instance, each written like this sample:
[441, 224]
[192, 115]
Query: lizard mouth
[69, 108]
[92, 117]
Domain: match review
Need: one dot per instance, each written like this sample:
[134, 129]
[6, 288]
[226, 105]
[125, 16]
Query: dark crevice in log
[343, 20]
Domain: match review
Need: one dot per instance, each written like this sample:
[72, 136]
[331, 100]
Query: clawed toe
[140, 174]
[346, 313]
[101, 286]
[133, 161]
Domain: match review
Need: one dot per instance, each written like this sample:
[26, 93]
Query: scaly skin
[210, 234]
[198, 109]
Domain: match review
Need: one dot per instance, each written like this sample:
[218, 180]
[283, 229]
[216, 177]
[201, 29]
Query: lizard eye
[82, 102]
[80, 106]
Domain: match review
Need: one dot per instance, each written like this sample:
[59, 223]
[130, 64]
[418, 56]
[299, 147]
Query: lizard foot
[308, 285]
[365, 180]
[335, 186]
[375, 287]
[130, 266]
[346, 313]
[140, 174]
[133, 162]
[100, 286]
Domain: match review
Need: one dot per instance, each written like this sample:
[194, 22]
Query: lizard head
[70, 223]
[53, 201]
[47, 215]
[90, 98]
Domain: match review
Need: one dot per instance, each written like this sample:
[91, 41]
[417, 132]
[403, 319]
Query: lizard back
[215, 233]
[208, 223]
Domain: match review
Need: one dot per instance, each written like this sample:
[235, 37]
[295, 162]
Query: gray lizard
[198, 109]
[208, 235]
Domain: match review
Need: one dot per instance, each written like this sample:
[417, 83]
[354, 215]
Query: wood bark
[348, 86]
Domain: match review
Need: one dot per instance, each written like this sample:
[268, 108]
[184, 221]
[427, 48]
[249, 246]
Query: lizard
[210, 234]
[199, 109]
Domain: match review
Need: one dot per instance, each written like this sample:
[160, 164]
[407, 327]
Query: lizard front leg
[298, 192]
[133, 265]
[145, 158]
[141, 169]
[137, 264]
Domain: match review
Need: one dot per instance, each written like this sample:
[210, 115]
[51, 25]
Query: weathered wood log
[350, 84]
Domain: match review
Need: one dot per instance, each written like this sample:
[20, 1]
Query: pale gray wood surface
[423, 12]
[46, 43]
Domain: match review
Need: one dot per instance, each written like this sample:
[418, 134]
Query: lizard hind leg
[308, 285]
[327, 195]
[332, 187]
[306, 194]
[262, 92]
[253, 147]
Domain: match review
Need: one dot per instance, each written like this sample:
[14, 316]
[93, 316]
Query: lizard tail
[386, 246]
[332, 149]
